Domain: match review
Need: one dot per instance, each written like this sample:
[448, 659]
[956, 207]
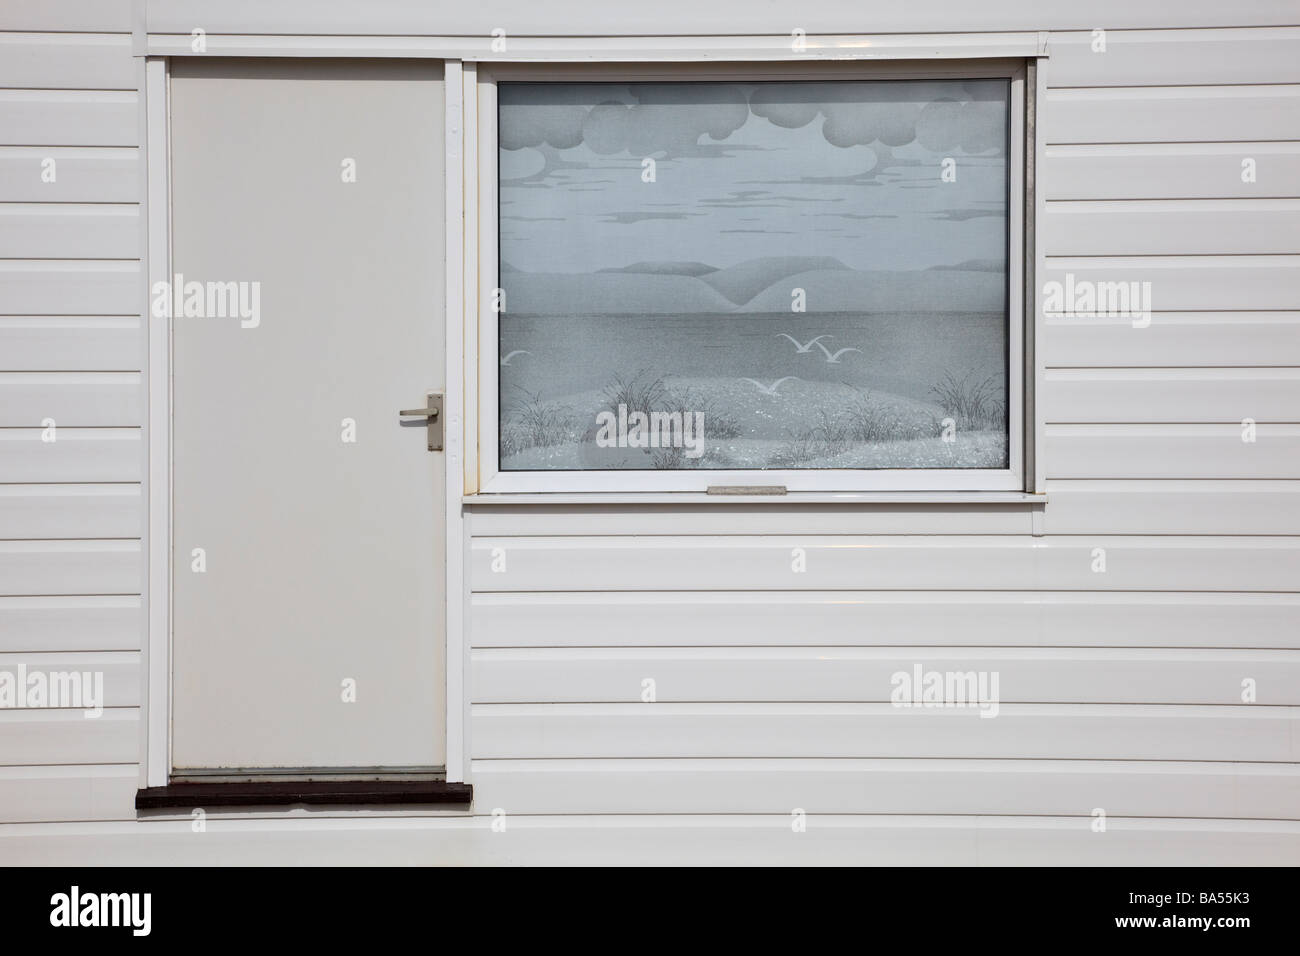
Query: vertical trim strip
[455, 401]
[1037, 257]
[157, 537]
[469, 250]
[488, 278]
[1029, 299]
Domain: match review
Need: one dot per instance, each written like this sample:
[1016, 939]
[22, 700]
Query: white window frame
[482, 181]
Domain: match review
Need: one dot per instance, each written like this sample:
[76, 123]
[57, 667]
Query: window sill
[1001, 498]
[352, 793]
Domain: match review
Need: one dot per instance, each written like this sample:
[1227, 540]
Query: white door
[308, 536]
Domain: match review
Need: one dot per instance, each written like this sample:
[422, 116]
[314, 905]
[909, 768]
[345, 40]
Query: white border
[455, 759]
[492, 481]
[625, 49]
[157, 539]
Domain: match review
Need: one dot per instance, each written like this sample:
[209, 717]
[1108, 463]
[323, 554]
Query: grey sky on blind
[844, 169]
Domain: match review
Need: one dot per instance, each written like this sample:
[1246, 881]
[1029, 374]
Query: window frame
[484, 478]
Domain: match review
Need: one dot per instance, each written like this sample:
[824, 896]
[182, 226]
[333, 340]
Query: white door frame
[156, 700]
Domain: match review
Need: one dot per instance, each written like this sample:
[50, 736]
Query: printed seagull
[506, 360]
[769, 389]
[802, 348]
[835, 359]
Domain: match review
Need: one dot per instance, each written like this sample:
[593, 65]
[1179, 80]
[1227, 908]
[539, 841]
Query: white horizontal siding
[772, 785]
[903, 618]
[100, 566]
[934, 562]
[1183, 171]
[1122, 689]
[96, 174]
[590, 18]
[79, 399]
[53, 793]
[1175, 58]
[844, 731]
[120, 670]
[358, 838]
[1196, 395]
[1144, 678]
[75, 510]
[76, 454]
[1177, 339]
[69, 230]
[40, 343]
[1171, 226]
[77, 61]
[1172, 114]
[1171, 451]
[80, 622]
[70, 287]
[51, 737]
[1174, 507]
[68, 118]
[1194, 283]
[70, 351]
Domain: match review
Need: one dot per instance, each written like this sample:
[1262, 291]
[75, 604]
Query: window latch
[432, 415]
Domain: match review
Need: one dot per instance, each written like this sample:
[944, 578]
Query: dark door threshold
[316, 793]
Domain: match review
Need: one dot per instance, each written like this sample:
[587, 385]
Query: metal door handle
[432, 413]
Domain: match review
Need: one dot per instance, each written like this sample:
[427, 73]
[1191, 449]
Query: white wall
[1122, 690]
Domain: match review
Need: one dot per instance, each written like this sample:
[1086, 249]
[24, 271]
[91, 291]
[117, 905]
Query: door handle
[432, 414]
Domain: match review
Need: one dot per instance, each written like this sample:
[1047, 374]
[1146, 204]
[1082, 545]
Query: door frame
[157, 490]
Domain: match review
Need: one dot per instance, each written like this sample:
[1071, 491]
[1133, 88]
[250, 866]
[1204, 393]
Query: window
[764, 280]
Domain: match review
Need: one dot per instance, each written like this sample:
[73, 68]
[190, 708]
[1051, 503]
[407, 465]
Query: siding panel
[77, 454]
[77, 510]
[120, 670]
[935, 562]
[1195, 283]
[69, 231]
[77, 399]
[591, 19]
[50, 737]
[70, 343]
[1173, 507]
[1179, 339]
[1172, 451]
[1181, 58]
[1123, 788]
[1172, 114]
[1171, 227]
[1019, 731]
[80, 175]
[38, 794]
[68, 118]
[70, 623]
[69, 287]
[906, 619]
[70, 567]
[1087, 677]
[75, 61]
[1170, 171]
[1172, 395]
